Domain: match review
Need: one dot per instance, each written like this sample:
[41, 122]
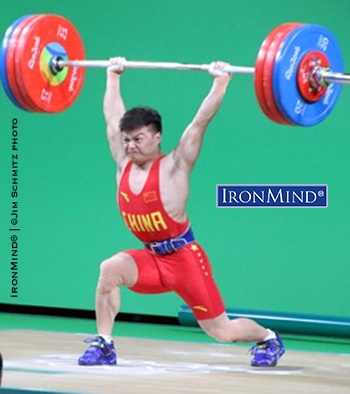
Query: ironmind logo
[271, 196]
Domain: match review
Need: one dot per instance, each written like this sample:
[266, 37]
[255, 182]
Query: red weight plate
[17, 91]
[18, 59]
[259, 71]
[39, 42]
[272, 52]
[307, 64]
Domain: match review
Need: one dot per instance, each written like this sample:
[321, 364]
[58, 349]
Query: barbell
[298, 71]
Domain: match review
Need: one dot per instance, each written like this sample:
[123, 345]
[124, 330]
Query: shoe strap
[100, 343]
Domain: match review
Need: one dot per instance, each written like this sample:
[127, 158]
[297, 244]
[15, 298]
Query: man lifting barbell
[297, 77]
[152, 193]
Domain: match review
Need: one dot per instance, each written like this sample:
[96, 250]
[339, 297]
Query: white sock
[107, 338]
[271, 335]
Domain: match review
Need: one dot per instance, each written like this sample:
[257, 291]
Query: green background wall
[293, 260]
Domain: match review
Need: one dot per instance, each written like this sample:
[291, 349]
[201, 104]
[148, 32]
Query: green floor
[9, 321]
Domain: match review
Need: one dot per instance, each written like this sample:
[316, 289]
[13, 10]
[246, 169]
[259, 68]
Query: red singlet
[186, 271]
[144, 213]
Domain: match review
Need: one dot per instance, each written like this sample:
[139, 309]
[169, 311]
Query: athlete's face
[141, 145]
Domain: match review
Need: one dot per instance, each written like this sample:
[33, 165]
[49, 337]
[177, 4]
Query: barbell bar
[58, 64]
[297, 75]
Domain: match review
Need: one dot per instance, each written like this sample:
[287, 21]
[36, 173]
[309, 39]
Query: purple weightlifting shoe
[99, 353]
[267, 353]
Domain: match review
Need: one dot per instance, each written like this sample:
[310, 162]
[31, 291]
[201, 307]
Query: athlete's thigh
[195, 283]
[148, 279]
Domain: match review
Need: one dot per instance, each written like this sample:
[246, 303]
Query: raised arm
[114, 109]
[190, 143]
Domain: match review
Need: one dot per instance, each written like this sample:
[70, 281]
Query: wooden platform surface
[48, 361]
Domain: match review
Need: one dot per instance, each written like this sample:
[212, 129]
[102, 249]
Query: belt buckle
[178, 243]
[168, 246]
[154, 245]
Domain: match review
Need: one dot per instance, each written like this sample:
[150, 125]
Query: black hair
[138, 117]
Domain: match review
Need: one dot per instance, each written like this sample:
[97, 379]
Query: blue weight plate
[3, 54]
[295, 46]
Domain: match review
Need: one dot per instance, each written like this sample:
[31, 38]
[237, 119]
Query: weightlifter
[152, 193]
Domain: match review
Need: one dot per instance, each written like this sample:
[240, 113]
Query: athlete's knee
[117, 270]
